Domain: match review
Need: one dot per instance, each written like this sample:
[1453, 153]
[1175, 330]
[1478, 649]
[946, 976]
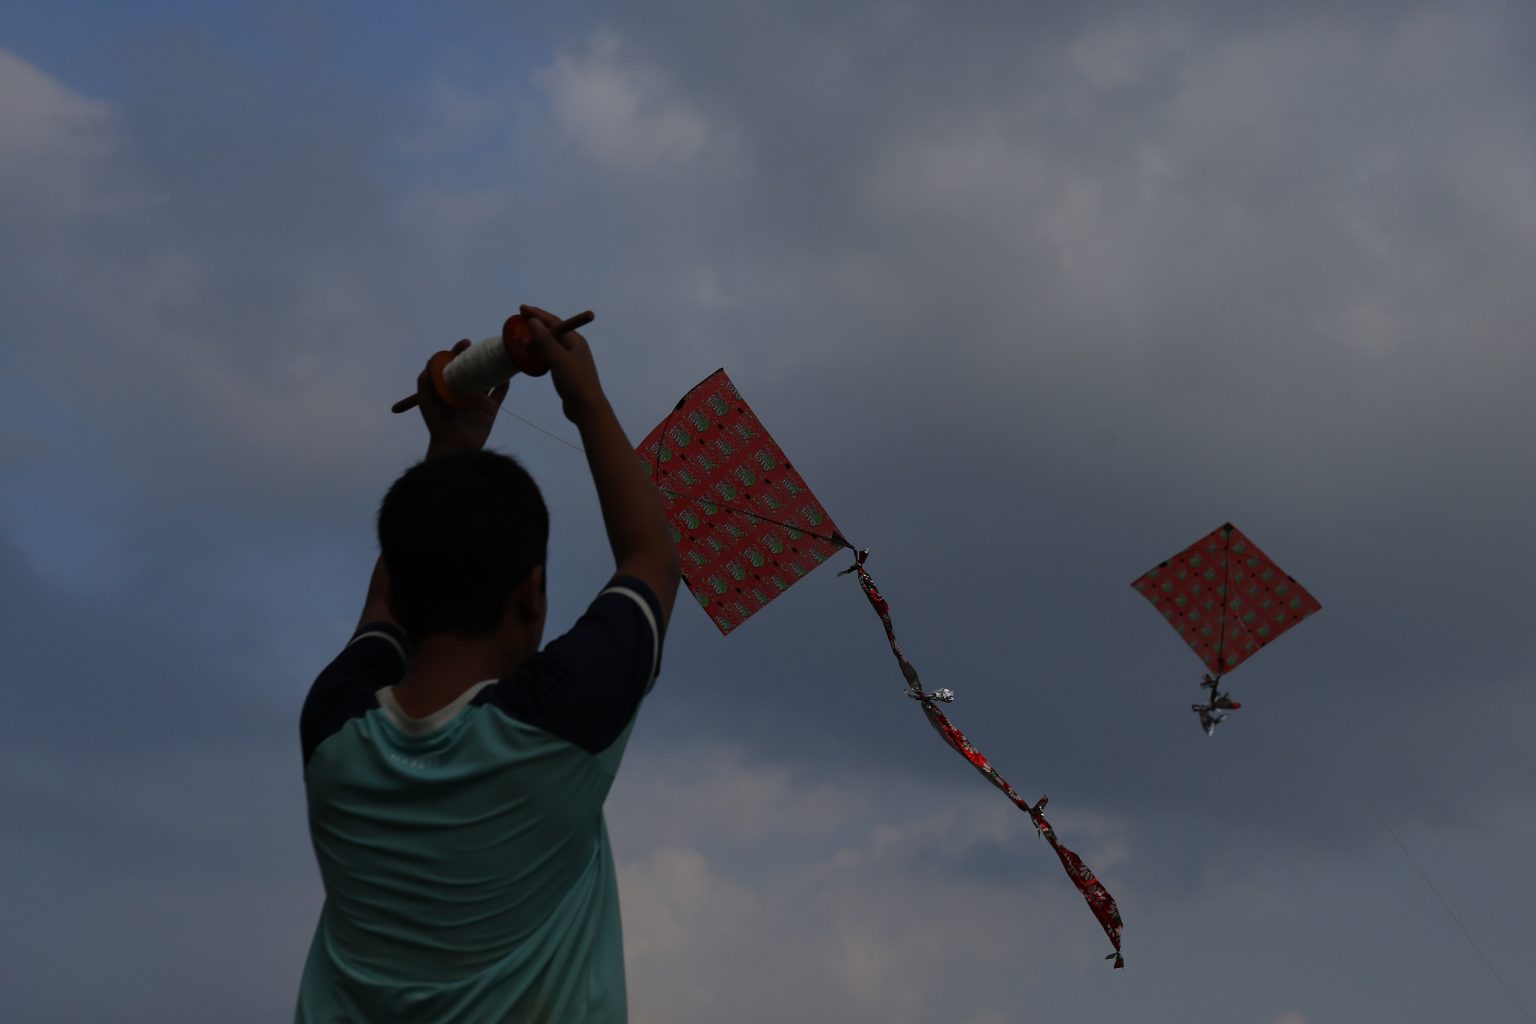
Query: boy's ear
[529, 595]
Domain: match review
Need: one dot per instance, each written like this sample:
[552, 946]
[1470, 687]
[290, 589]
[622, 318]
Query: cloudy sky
[1034, 296]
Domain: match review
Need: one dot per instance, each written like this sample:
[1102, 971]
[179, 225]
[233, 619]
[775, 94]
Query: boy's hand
[454, 429]
[632, 513]
[570, 365]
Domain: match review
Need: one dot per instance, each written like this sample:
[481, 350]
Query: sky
[1034, 295]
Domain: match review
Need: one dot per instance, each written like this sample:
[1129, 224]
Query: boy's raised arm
[632, 511]
[448, 429]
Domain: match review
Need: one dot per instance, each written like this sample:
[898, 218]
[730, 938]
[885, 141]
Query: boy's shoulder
[586, 685]
[348, 687]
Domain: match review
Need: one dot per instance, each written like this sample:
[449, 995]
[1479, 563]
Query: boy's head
[459, 533]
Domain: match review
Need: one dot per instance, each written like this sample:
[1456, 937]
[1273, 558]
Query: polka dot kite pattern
[746, 526]
[1225, 598]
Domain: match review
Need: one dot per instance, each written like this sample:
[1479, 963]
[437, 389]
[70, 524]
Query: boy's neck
[440, 669]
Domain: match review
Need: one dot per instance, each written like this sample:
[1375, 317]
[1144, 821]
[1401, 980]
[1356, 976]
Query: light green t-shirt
[467, 870]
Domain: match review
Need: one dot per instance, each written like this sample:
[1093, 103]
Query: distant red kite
[1227, 599]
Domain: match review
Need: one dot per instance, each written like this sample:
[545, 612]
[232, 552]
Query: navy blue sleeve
[372, 660]
[586, 685]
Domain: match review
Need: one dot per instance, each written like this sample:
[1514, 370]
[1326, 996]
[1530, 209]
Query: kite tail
[1099, 900]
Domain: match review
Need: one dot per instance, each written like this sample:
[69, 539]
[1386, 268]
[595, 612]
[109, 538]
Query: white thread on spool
[479, 368]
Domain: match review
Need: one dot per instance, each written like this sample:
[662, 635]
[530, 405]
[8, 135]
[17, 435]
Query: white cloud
[743, 799]
[1124, 54]
[1160, 173]
[157, 339]
[621, 112]
[50, 135]
[452, 116]
[674, 898]
[738, 873]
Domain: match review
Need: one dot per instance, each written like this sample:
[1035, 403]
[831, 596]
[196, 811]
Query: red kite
[1227, 599]
[747, 528]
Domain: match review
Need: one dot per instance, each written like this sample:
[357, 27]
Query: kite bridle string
[666, 424]
[835, 538]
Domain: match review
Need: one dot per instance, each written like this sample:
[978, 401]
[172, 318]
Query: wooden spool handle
[442, 359]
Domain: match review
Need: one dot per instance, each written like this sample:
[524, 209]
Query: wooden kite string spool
[479, 368]
[491, 361]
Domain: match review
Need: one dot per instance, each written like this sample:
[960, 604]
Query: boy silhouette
[455, 772]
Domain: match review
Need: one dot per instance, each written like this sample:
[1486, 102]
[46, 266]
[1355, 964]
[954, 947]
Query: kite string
[1443, 904]
[535, 426]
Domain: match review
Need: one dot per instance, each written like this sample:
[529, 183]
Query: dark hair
[458, 532]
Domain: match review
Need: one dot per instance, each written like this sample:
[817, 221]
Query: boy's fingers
[552, 347]
[534, 313]
[426, 388]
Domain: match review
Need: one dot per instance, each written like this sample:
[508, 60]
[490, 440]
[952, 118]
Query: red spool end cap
[521, 347]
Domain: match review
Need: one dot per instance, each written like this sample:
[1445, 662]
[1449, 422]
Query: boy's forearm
[632, 509]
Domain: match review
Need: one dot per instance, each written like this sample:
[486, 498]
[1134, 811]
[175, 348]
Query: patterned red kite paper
[747, 528]
[1228, 600]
